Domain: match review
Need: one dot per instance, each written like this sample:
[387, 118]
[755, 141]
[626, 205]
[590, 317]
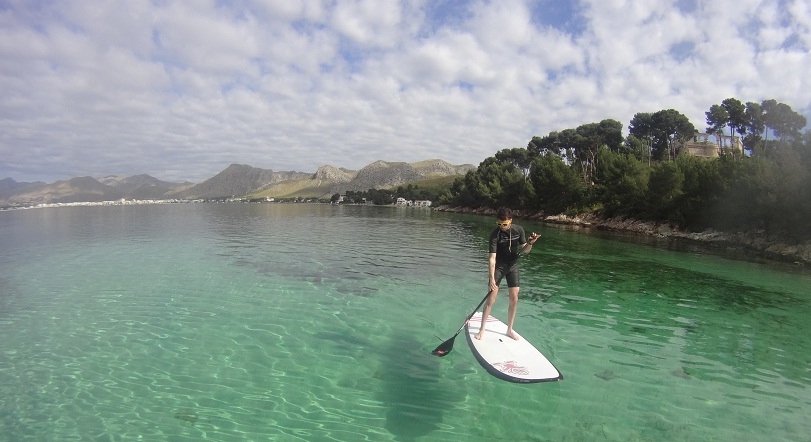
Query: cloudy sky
[181, 89]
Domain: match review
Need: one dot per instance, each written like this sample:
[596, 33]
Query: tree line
[413, 192]
[648, 175]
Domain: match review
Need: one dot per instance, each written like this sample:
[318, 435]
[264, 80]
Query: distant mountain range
[237, 180]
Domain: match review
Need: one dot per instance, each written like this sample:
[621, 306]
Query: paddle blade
[444, 348]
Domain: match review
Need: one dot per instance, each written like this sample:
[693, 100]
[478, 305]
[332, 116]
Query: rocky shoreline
[749, 244]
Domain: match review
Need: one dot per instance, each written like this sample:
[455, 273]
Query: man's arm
[527, 247]
[491, 265]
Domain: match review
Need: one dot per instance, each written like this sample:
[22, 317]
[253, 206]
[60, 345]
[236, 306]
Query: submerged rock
[187, 416]
[606, 375]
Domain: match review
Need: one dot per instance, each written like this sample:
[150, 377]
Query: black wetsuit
[507, 246]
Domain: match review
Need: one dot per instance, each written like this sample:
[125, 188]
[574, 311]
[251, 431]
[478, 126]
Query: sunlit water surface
[234, 322]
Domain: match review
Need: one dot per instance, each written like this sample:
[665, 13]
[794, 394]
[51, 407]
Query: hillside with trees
[649, 175]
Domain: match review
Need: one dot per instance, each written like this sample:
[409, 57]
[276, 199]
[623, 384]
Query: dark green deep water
[234, 322]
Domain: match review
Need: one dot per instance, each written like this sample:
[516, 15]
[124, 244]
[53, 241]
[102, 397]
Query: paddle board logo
[511, 367]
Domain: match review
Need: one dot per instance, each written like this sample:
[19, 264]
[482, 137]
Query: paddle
[444, 348]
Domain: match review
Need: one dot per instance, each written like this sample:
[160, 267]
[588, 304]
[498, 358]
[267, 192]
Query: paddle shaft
[473, 312]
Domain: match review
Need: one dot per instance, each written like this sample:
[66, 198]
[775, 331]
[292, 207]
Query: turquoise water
[234, 322]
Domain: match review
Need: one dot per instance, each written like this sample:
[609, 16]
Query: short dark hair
[504, 213]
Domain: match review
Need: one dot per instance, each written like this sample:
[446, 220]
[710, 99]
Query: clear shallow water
[315, 322]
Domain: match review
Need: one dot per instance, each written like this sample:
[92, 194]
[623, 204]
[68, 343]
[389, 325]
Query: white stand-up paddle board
[506, 358]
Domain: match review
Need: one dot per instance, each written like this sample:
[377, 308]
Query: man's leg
[513, 291]
[486, 312]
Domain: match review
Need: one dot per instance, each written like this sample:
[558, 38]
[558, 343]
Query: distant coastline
[97, 203]
[235, 181]
[748, 244]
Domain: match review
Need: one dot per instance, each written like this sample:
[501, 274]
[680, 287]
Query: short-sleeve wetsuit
[507, 247]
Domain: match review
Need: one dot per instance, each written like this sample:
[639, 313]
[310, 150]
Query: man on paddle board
[506, 244]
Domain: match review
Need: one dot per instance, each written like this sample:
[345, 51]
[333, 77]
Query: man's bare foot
[512, 334]
[480, 335]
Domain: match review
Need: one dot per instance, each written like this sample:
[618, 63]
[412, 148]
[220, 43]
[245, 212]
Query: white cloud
[372, 23]
[286, 11]
[181, 89]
